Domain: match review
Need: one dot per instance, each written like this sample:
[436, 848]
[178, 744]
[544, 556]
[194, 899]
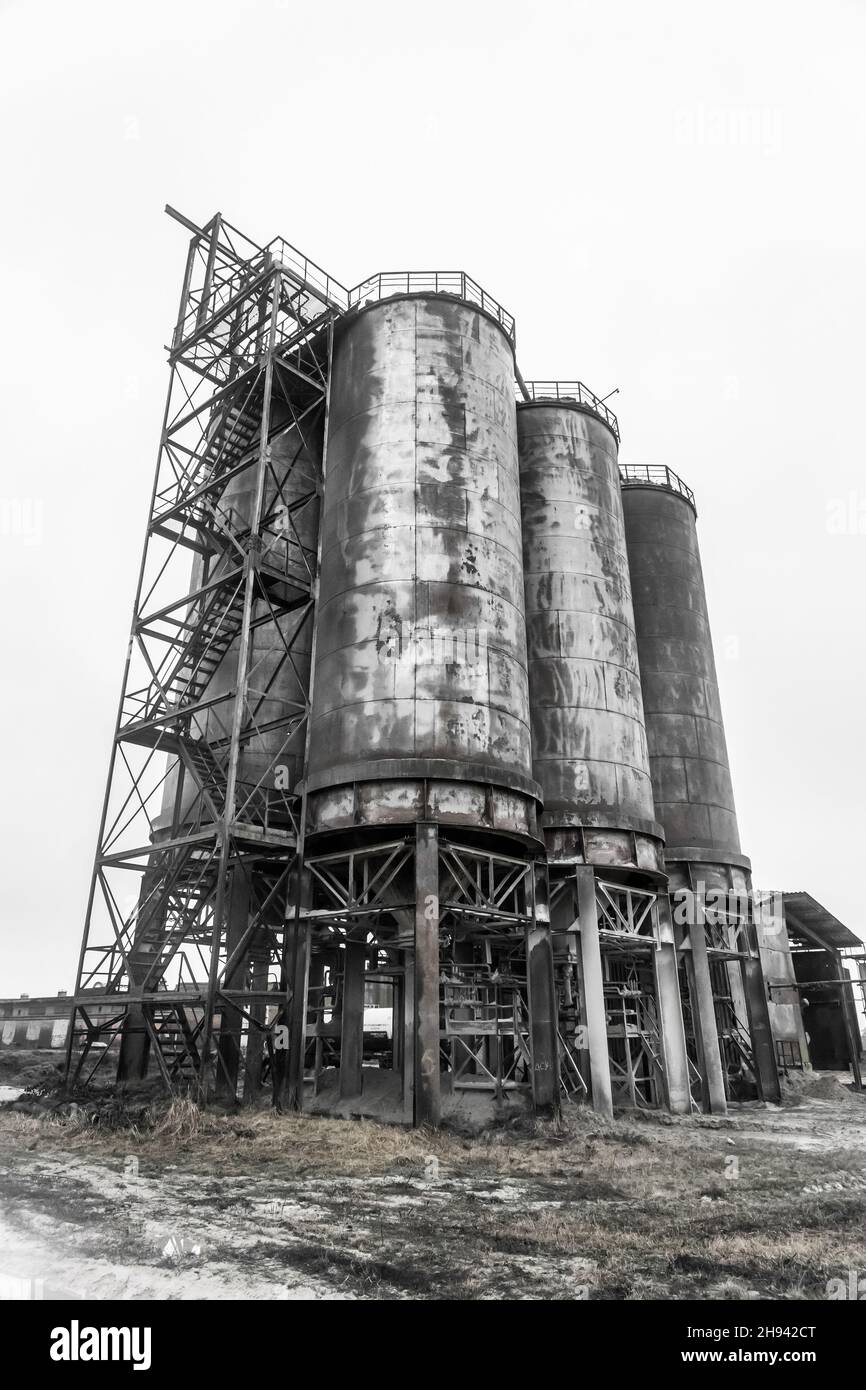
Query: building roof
[806, 917]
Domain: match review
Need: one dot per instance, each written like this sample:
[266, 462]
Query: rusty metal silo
[589, 744]
[691, 776]
[420, 728]
[590, 756]
[688, 754]
[420, 672]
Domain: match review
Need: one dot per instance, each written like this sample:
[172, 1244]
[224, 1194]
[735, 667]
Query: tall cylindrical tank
[420, 704]
[272, 753]
[279, 661]
[589, 744]
[694, 798]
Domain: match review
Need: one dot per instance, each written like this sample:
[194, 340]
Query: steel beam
[428, 1101]
[760, 1029]
[714, 1099]
[670, 1011]
[541, 993]
[593, 983]
[231, 1020]
[291, 1060]
[352, 1020]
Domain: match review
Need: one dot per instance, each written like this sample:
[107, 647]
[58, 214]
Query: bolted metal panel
[420, 640]
[688, 755]
[589, 743]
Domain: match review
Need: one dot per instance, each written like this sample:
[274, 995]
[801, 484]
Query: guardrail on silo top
[392, 282]
[656, 475]
[569, 391]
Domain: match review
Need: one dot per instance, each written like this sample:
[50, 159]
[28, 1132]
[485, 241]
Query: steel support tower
[196, 868]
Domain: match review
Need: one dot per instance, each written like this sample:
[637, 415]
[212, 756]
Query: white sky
[670, 199]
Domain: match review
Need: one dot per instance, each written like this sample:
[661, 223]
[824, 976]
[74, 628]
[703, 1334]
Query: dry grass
[181, 1131]
[633, 1208]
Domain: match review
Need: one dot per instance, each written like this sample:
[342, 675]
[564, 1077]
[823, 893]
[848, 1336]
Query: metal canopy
[807, 918]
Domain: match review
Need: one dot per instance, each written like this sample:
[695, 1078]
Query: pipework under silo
[690, 771]
[589, 752]
[420, 728]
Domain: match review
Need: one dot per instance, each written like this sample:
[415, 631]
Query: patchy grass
[630, 1209]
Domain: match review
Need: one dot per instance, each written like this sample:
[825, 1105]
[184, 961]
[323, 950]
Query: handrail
[569, 391]
[313, 277]
[393, 282]
[656, 475]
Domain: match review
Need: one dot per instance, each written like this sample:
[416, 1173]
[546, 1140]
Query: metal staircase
[250, 358]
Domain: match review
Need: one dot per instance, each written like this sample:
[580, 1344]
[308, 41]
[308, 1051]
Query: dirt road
[768, 1203]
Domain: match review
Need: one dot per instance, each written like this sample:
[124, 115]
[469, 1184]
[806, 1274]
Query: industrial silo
[420, 707]
[690, 772]
[589, 748]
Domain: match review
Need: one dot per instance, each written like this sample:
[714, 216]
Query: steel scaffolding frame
[727, 938]
[195, 954]
[614, 956]
[410, 910]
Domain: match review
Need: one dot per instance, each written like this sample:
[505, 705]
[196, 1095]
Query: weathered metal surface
[420, 643]
[279, 681]
[400, 800]
[592, 980]
[272, 757]
[589, 744]
[688, 755]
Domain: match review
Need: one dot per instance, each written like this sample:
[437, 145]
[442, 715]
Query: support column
[757, 1008]
[673, 1036]
[352, 1020]
[542, 999]
[849, 1018]
[231, 1021]
[428, 1100]
[564, 923]
[593, 983]
[704, 1013]
[134, 1045]
[407, 1023]
[291, 1062]
[258, 1012]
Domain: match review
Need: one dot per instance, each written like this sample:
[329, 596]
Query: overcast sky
[669, 197]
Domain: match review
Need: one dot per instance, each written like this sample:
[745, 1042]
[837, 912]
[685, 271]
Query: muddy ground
[170, 1203]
